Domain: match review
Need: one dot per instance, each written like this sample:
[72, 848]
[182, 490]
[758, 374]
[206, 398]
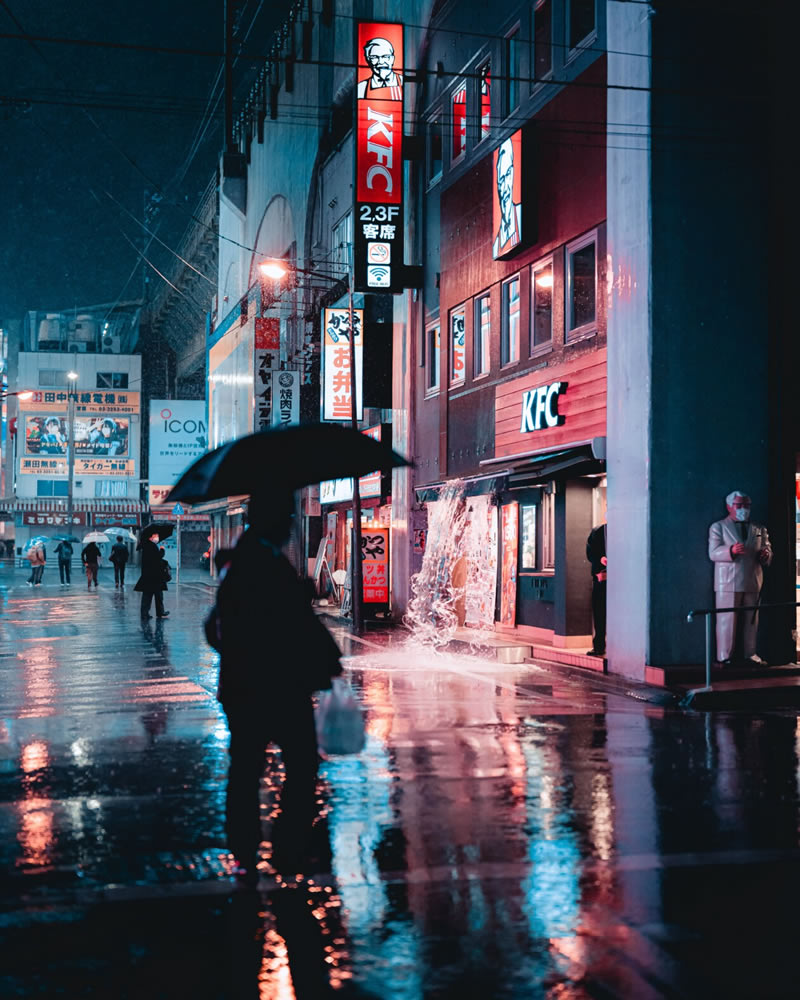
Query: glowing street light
[273, 269]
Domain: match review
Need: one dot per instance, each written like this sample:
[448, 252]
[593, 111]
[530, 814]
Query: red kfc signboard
[378, 236]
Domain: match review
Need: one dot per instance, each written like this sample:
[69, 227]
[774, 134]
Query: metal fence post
[708, 651]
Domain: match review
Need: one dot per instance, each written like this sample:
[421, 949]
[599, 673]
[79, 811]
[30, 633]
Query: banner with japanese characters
[375, 564]
[378, 228]
[106, 402]
[337, 382]
[267, 362]
[83, 466]
[285, 398]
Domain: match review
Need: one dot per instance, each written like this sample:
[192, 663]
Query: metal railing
[709, 613]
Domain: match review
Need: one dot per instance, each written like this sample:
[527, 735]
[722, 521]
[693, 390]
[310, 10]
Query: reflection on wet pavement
[507, 832]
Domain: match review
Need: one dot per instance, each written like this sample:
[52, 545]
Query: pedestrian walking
[739, 550]
[119, 560]
[64, 553]
[274, 652]
[151, 583]
[596, 554]
[90, 557]
[37, 557]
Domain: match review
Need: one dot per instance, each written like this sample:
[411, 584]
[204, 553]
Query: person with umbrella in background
[90, 557]
[37, 557]
[119, 560]
[274, 651]
[151, 582]
[64, 553]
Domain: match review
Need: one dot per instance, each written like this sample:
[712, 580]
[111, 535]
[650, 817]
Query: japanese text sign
[337, 382]
[285, 398]
[375, 564]
[86, 401]
[378, 229]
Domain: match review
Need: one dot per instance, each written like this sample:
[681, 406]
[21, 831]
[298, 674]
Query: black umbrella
[279, 459]
[65, 538]
[161, 528]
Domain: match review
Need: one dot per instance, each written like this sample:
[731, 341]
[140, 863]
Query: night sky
[59, 246]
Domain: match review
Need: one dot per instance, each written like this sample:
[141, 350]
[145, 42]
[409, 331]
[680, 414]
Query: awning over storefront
[49, 505]
[579, 459]
[477, 486]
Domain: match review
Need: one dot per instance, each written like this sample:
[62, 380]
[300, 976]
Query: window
[432, 355]
[581, 21]
[541, 304]
[110, 488]
[509, 345]
[459, 121]
[112, 380]
[486, 99]
[434, 151]
[542, 39]
[51, 487]
[52, 376]
[512, 71]
[548, 516]
[581, 285]
[527, 552]
[457, 346]
[341, 238]
[481, 334]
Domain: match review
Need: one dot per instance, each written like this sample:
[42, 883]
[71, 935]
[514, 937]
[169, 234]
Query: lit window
[548, 515]
[432, 355]
[481, 334]
[509, 348]
[527, 517]
[457, 346]
[459, 121]
[542, 39]
[486, 99]
[541, 304]
[581, 285]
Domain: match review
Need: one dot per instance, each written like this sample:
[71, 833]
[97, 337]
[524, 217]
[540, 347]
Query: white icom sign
[540, 407]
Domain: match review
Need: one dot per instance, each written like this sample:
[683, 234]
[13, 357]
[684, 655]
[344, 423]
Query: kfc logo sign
[378, 237]
[540, 407]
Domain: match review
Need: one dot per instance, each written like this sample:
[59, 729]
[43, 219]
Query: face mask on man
[742, 513]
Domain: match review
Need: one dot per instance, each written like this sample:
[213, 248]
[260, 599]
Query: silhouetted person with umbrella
[151, 583]
[274, 652]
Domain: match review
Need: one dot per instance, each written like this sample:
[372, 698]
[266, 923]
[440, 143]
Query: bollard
[708, 651]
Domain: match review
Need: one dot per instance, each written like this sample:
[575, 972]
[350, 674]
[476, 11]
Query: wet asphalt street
[506, 833]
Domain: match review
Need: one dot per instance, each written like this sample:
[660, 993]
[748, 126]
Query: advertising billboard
[336, 375]
[378, 227]
[106, 402]
[100, 435]
[178, 436]
[507, 196]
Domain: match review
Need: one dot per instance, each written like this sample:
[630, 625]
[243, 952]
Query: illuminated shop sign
[378, 231]
[540, 407]
[507, 196]
[337, 382]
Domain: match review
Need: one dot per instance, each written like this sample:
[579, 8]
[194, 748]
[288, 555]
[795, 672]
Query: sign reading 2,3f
[541, 404]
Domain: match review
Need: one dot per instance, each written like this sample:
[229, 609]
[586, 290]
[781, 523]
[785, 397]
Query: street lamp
[72, 378]
[277, 270]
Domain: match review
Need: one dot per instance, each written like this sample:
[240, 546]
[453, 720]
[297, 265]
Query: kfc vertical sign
[378, 229]
[337, 377]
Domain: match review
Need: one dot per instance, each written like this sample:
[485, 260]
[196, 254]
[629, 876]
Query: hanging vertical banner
[285, 398]
[508, 570]
[267, 360]
[375, 563]
[336, 376]
[378, 225]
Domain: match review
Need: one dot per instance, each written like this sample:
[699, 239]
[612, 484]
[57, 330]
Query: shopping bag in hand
[339, 719]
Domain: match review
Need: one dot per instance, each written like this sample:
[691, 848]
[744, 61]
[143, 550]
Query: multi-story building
[96, 345]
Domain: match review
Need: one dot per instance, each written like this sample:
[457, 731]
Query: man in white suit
[739, 549]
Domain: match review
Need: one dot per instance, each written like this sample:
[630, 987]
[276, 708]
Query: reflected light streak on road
[35, 834]
[40, 690]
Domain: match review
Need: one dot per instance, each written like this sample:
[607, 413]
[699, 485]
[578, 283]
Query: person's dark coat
[270, 641]
[91, 554]
[596, 549]
[152, 578]
[64, 551]
[119, 554]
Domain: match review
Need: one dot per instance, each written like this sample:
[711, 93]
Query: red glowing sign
[507, 196]
[379, 98]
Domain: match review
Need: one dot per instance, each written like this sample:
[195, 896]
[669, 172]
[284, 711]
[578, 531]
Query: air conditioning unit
[77, 346]
[110, 344]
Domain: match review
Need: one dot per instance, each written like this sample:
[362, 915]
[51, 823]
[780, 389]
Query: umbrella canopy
[96, 537]
[161, 528]
[38, 541]
[66, 538]
[283, 459]
[112, 533]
